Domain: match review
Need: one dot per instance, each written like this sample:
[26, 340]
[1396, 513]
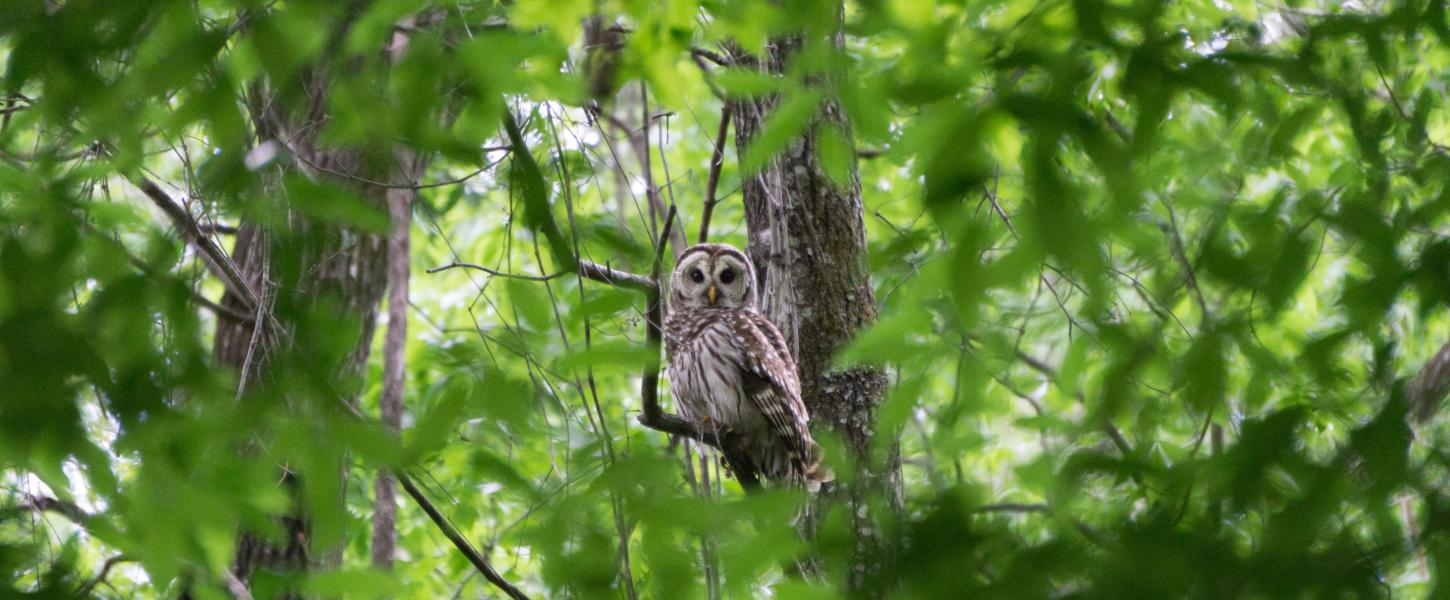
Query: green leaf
[789, 119]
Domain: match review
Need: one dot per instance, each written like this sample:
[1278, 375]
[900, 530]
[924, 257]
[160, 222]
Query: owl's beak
[711, 294]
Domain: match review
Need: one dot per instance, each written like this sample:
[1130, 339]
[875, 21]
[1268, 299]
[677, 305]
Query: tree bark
[400, 204]
[301, 266]
[807, 238]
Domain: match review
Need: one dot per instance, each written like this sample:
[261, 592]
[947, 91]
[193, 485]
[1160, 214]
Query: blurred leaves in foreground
[1154, 279]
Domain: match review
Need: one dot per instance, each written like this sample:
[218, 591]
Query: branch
[85, 590]
[1011, 507]
[641, 146]
[534, 191]
[219, 228]
[235, 586]
[587, 270]
[203, 301]
[711, 56]
[716, 161]
[617, 278]
[539, 217]
[730, 444]
[654, 321]
[215, 258]
[479, 562]
[65, 508]
[494, 272]
[402, 186]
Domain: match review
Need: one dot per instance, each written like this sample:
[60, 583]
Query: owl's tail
[816, 470]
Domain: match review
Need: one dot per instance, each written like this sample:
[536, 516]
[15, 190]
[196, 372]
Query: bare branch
[203, 301]
[111, 562]
[406, 186]
[616, 277]
[587, 270]
[641, 145]
[711, 56]
[494, 272]
[1012, 507]
[65, 508]
[460, 542]
[654, 322]
[215, 258]
[717, 160]
[219, 228]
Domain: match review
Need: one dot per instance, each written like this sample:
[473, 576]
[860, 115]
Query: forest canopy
[1088, 298]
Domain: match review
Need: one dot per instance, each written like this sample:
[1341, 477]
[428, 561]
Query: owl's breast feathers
[733, 365]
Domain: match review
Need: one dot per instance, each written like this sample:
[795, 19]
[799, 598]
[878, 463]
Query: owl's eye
[697, 276]
[727, 276]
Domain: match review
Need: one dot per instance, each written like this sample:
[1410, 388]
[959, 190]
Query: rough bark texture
[299, 267]
[344, 267]
[807, 238]
[308, 264]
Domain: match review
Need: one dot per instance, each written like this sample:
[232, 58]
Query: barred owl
[729, 366]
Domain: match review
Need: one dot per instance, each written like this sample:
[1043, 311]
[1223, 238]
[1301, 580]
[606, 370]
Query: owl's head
[713, 275]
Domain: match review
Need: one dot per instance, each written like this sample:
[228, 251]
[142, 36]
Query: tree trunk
[346, 267]
[296, 270]
[400, 205]
[807, 238]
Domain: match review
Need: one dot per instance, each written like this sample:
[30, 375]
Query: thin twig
[587, 269]
[106, 567]
[406, 186]
[495, 272]
[717, 160]
[203, 301]
[460, 542]
[1013, 507]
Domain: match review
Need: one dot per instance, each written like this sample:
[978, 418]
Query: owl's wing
[779, 365]
[773, 386]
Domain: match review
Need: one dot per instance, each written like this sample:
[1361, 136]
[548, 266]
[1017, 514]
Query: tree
[1118, 299]
[808, 239]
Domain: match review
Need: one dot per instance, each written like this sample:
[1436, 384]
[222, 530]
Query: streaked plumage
[729, 366]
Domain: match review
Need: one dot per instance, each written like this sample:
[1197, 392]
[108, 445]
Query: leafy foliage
[1153, 277]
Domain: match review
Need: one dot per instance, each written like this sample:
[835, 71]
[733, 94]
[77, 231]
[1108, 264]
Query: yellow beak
[711, 294]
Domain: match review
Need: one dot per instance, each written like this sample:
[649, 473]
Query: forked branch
[717, 160]
[215, 258]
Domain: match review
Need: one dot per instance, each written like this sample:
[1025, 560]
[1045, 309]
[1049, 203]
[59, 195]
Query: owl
[729, 366]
